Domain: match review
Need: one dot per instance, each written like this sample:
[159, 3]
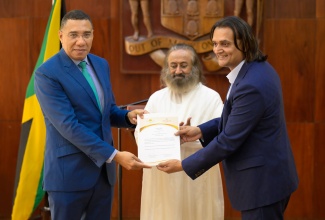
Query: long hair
[243, 32]
[196, 63]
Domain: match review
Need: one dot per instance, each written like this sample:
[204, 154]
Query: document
[156, 140]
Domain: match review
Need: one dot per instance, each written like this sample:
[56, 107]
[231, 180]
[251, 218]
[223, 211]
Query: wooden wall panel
[14, 64]
[302, 142]
[9, 138]
[17, 8]
[279, 9]
[102, 34]
[292, 53]
[293, 38]
[318, 169]
[95, 8]
[131, 180]
[320, 8]
[23, 9]
[320, 71]
[14, 76]
[17, 61]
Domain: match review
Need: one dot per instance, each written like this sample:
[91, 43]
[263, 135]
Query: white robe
[176, 196]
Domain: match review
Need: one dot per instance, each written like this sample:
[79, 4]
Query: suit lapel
[241, 75]
[72, 70]
[228, 103]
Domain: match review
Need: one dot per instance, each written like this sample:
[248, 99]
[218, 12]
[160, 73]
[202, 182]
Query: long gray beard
[181, 84]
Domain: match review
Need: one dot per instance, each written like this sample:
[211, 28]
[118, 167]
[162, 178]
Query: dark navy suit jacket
[251, 140]
[78, 134]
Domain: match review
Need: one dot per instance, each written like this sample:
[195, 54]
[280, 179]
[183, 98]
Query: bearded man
[176, 196]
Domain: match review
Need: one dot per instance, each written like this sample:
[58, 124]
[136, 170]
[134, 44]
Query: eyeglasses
[85, 36]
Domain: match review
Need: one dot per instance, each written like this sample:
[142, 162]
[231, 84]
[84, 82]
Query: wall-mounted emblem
[191, 19]
[157, 25]
[150, 27]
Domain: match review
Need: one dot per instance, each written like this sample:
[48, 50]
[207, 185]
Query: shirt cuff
[112, 156]
[128, 121]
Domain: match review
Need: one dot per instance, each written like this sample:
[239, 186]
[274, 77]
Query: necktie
[86, 74]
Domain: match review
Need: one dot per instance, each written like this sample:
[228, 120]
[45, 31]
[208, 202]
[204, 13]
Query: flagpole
[119, 178]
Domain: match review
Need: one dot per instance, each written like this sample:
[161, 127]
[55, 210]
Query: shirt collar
[78, 61]
[234, 73]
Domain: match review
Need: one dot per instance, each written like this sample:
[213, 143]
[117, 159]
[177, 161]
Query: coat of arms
[168, 22]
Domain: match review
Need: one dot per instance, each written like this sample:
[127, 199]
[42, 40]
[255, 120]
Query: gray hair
[196, 63]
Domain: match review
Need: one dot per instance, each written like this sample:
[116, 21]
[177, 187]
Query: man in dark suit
[79, 164]
[251, 137]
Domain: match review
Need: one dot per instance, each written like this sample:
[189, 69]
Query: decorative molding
[168, 22]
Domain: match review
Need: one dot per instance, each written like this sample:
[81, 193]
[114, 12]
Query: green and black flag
[29, 172]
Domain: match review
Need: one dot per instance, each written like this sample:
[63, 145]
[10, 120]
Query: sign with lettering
[157, 25]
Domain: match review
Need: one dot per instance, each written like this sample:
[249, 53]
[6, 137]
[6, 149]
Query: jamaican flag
[28, 191]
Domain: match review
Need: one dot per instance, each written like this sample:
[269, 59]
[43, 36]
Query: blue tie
[86, 74]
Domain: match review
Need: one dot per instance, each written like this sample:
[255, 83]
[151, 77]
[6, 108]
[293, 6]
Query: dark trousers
[95, 203]
[274, 211]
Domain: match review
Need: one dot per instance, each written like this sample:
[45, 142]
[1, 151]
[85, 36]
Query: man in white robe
[176, 196]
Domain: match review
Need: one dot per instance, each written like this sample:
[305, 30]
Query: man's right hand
[188, 122]
[189, 133]
[129, 161]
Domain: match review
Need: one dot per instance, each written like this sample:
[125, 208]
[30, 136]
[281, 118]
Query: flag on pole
[28, 191]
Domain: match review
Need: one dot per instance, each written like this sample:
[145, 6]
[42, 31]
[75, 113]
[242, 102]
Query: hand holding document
[156, 139]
